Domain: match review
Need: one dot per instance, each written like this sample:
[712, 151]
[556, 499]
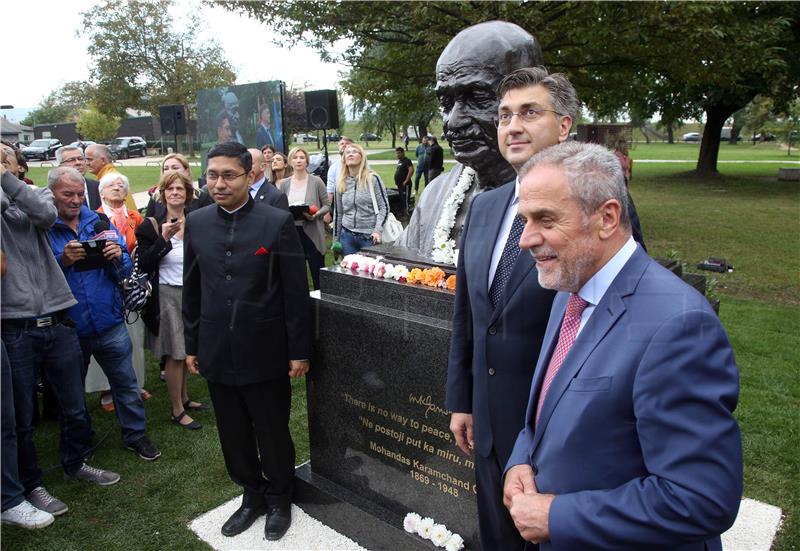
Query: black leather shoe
[241, 520]
[278, 521]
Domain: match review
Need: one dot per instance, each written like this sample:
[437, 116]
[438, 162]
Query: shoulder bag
[136, 288]
[392, 228]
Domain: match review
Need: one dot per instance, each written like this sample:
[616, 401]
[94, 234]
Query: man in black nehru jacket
[247, 322]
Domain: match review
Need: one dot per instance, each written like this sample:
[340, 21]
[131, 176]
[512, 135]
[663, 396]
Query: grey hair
[110, 178]
[562, 92]
[56, 174]
[593, 172]
[65, 149]
[104, 150]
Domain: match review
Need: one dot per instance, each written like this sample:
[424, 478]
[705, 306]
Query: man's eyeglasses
[529, 115]
[73, 160]
[227, 176]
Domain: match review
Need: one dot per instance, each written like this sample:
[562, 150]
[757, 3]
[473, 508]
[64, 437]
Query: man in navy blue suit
[501, 312]
[264, 133]
[629, 439]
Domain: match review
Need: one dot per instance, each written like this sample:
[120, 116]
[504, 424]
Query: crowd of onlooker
[66, 249]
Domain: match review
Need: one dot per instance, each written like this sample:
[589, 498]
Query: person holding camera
[37, 333]
[161, 256]
[94, 259]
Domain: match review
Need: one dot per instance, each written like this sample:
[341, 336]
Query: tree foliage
[97, 126]
[787, 124]
[143, 57]
[679, 59]
[61, 105]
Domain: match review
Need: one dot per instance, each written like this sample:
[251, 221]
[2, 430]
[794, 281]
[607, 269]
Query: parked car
[305, 138]
[369, 137]
[42, 149]
[333, 137]
[768, 137]
[691, 137]
[128, 146]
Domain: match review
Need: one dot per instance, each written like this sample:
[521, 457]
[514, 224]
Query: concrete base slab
[755, 528]
[305, 533]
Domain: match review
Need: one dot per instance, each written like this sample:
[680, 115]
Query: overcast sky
[41, 37]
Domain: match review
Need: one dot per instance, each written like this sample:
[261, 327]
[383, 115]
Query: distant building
[13, 131]
[148, 127]
[64, 131]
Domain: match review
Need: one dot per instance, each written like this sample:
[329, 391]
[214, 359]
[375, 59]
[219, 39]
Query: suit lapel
[493, 214]
[522, 267]
[610, 308]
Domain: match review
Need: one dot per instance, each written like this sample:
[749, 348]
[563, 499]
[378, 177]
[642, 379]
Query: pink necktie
[569, 330]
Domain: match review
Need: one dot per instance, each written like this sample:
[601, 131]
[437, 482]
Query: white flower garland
[444, 248]
[437, 533]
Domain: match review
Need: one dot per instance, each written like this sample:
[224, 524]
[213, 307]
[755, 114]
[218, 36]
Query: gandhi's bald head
[467, 75]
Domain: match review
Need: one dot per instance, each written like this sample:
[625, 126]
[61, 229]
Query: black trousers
[494, 521]
[253, 425]
[314, 258]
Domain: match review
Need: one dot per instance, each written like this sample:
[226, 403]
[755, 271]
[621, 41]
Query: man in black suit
[72, 155]
[246, 313]
[262, 189]
[264, 132]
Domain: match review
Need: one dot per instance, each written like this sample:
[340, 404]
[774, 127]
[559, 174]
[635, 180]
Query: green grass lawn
[742, 151]
[745, 215]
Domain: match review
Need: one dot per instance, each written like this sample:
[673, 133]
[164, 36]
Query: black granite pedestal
[379, 432]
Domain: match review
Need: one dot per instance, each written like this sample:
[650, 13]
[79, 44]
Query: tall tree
[680, 59]
[61, 105]
[143, 56]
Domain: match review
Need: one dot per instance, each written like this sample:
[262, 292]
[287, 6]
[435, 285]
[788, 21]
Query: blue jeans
[114, 352]
[56, 351]
[353, 242]
[420, 172]
[13, 492]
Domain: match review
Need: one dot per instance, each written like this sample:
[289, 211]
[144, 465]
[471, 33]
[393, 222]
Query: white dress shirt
[594, 289]
[502, 236]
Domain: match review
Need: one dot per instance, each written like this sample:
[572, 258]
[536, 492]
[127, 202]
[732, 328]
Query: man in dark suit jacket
[72, 155]
[262, 189]
[247, 321]
[264, 132]
[629, 439]
[500, 310]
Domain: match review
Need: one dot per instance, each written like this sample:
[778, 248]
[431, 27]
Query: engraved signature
[427, 402]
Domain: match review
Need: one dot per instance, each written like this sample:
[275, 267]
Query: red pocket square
[260, 251]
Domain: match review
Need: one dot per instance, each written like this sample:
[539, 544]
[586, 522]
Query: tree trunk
[670, 133]
[716, 115]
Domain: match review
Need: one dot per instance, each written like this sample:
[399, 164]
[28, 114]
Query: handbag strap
[372, 193]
